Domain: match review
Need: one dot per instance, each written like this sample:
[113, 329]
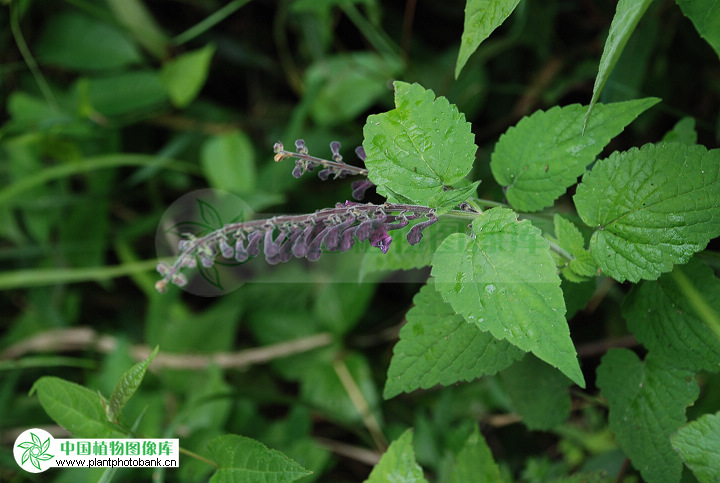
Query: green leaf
[475, 462]
[627, 15]
[505, 281]
[126, 386]
[698, 445]
[544, 154]
[75, 41]
[682, 132]
[419, 147]
[228, 161]
[664, 320]
[482, 17]
[126, 93]
[447, 200]
[348, 84]
[651, 208]
[242, 459]
[398, 463]
[437, 346]
[75, 408]
[539, 393]
[705, 16]
[647, 404]
[571, 240]
[184, 76]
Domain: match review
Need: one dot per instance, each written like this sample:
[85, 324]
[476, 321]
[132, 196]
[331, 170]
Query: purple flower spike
[253, 248]
[381, 239]
[415, 234]
[360, 151]
[240, 253]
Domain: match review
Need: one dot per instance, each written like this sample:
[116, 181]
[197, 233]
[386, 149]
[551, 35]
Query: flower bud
[164, 268]
[360, 187]
[179, 279]
[278, 147]
[297, 171]
[347, 240]
[360, 151]
[324, 174]
[335, 148]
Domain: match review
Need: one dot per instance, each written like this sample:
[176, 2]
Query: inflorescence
[337, 168]
[299, 236]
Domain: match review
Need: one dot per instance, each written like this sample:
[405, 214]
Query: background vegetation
[114, 109]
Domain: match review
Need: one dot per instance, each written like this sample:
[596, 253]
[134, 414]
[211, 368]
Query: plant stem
[209, 22]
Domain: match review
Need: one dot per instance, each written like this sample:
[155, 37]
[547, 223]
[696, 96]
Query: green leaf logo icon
[32, 448]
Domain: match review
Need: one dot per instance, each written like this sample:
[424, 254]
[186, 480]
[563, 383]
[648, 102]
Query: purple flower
[225, 249]
[324, 174]
[365, 230]
[297, 170]
[360, 187]
[381, 239]
[300, 246]
[253, 248]
[241, 253]
[415, 234]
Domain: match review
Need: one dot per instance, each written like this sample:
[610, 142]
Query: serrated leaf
[75, 408]
[398, 463]
[545, 153]
[475, 462]
[126, 386]
[482, 17]
[665, 321]
[505, 281]
[682, 132]
[447, 200]
[571, 240]
[705, 16]
[184, 76]
[647, 404]
[539, 393]
[627, 15]
[242, 459]
[420, 146]
[651, 208]
[438, 346]
[698, 445]
[568, 235]
[228, 162]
